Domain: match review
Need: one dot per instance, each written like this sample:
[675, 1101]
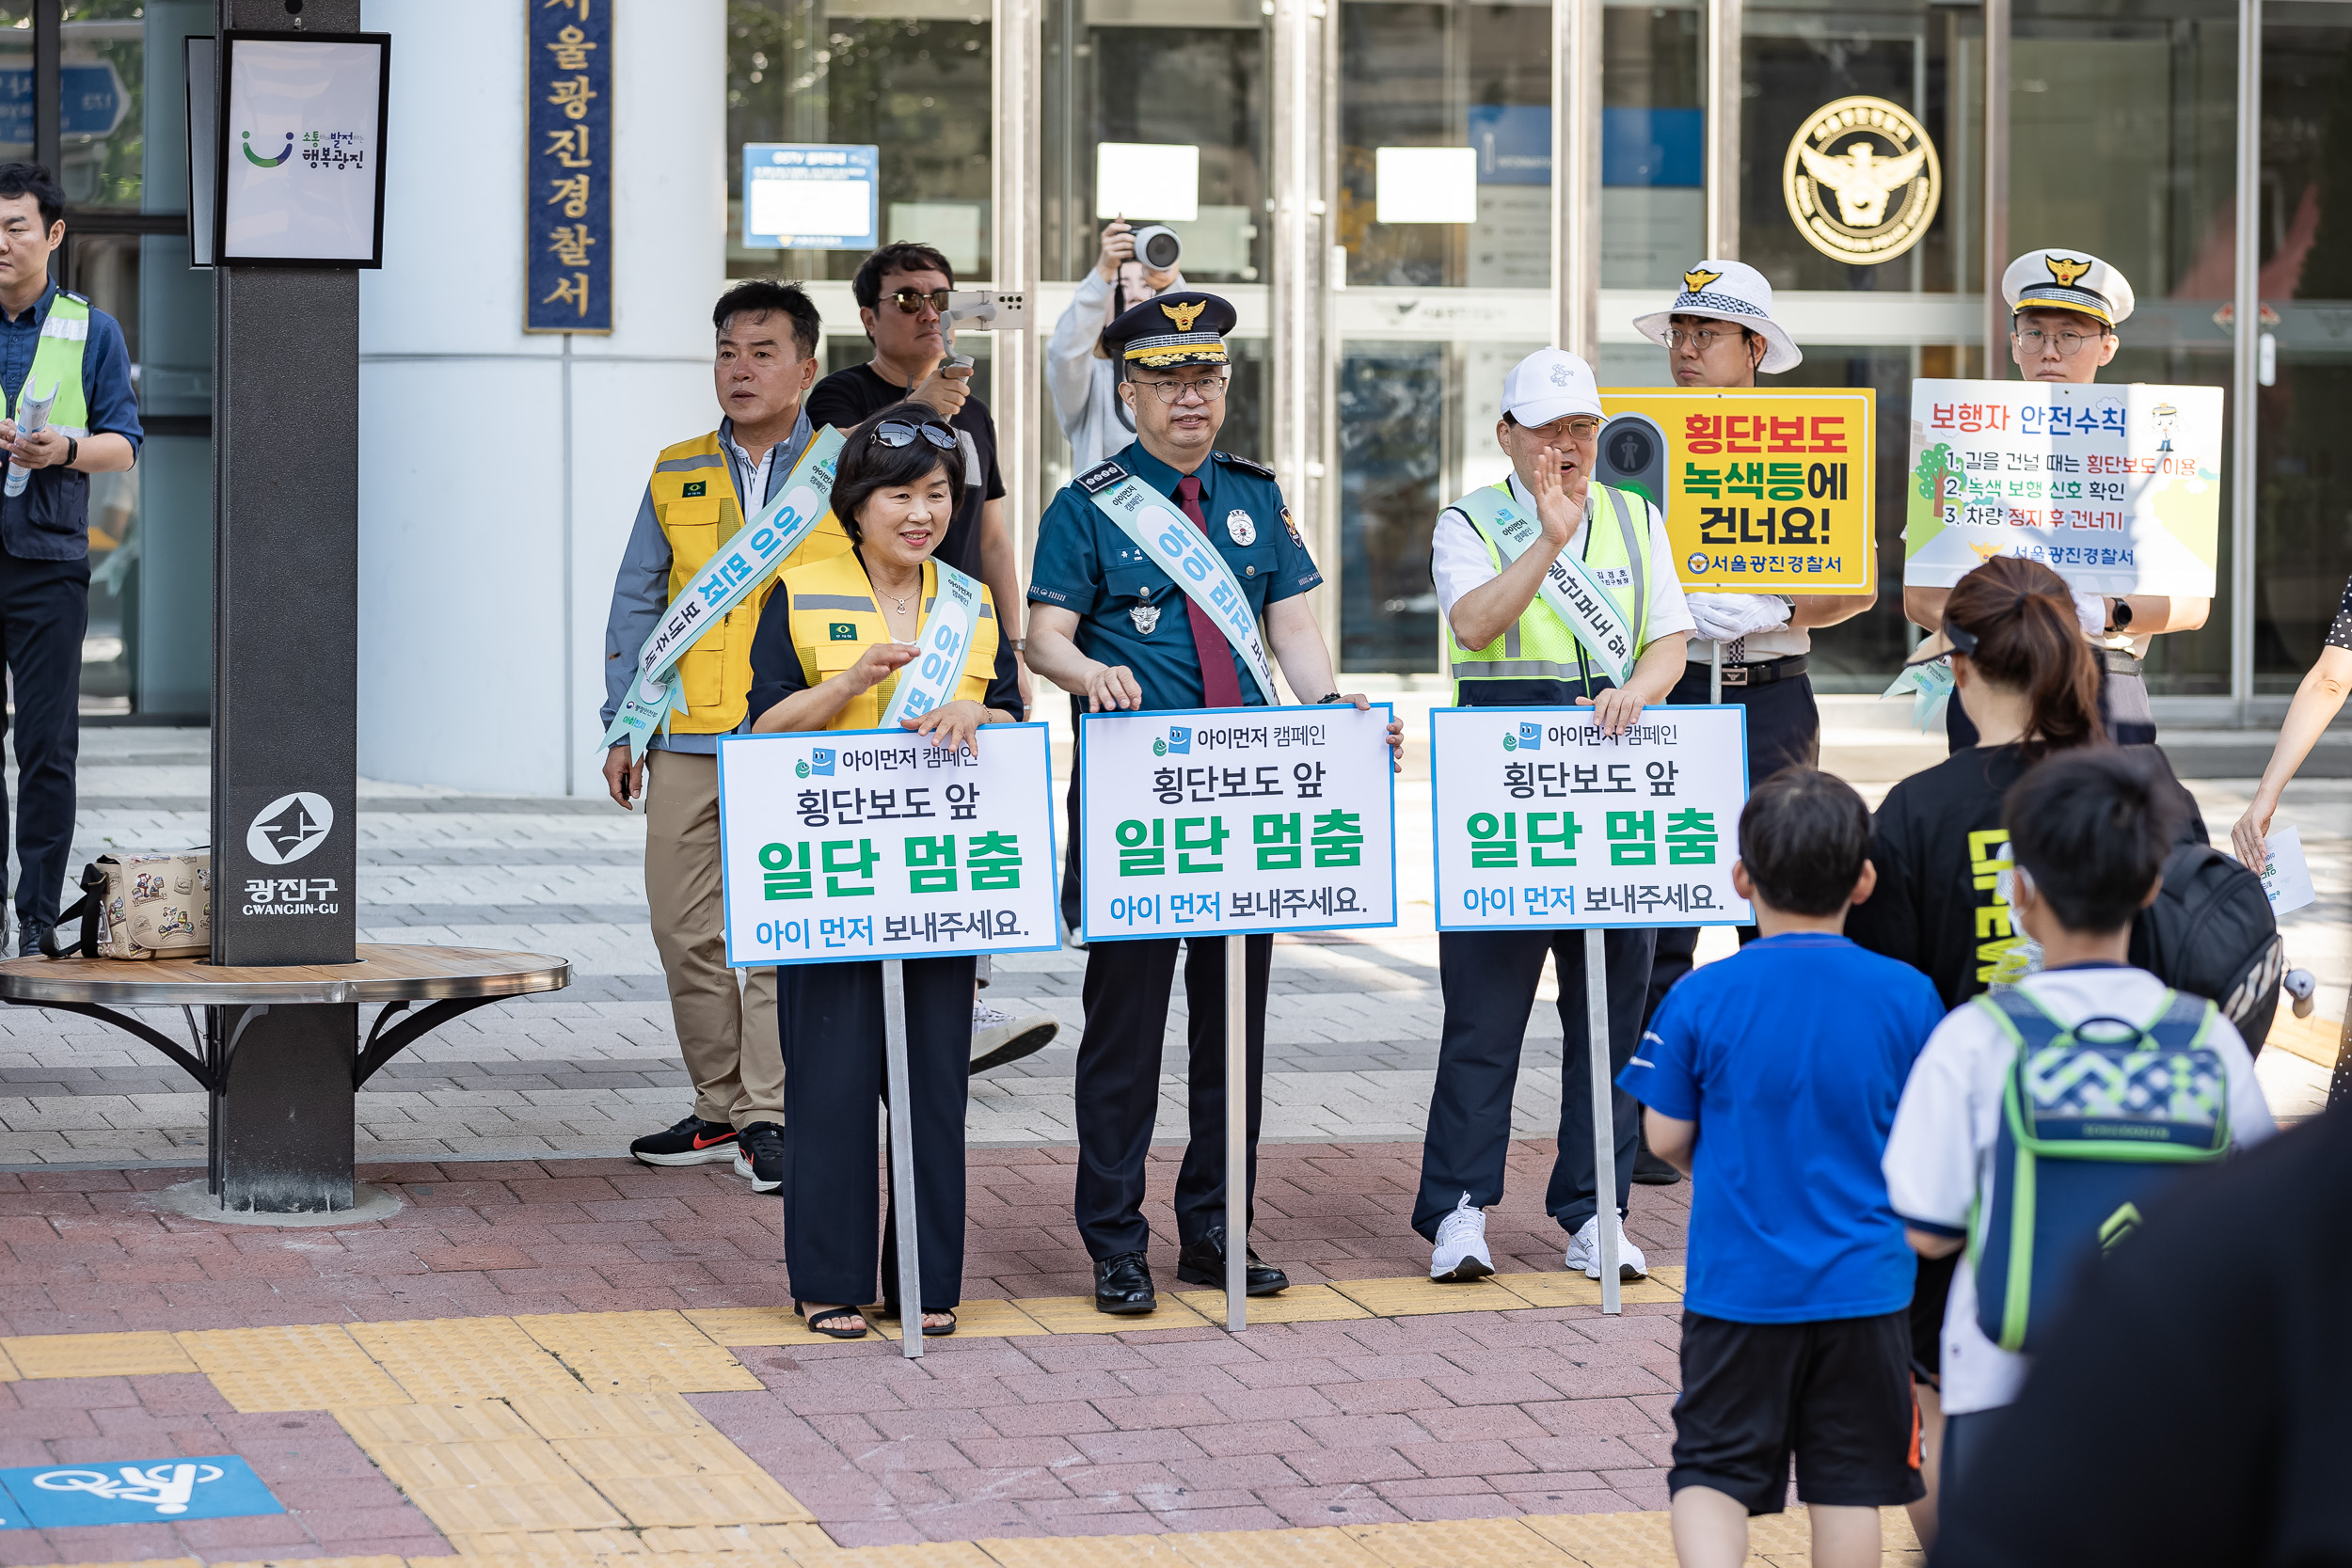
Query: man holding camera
[1081, 376]
[903, 301]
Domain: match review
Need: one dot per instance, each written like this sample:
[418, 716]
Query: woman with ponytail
[2027, 681]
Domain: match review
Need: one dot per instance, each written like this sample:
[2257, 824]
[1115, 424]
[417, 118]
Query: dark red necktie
[1220, 683]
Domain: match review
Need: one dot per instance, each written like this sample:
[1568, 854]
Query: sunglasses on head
[913, 300]
[900, 433]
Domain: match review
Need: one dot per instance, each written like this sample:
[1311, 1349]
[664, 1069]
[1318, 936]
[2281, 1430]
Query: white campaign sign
[843, 846]
[1541, 824]
[2287, 878]
[1236, 820]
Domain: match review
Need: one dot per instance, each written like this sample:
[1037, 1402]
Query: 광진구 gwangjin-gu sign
[567, 197]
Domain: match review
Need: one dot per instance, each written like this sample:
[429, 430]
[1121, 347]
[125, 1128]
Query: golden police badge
[1862, 181]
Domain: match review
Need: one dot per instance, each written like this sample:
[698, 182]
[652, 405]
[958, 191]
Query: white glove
[2091, 610]
[1727, 617]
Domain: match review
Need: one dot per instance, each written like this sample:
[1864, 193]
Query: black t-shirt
[2340, 634]
[1940, 848]
[776, 671]
[848, 398]
[1939, 845]
[2183, 1413]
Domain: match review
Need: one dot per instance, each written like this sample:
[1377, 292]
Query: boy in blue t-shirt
[1771, 1078]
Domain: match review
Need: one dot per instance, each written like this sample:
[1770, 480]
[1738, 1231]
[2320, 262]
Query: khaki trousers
[727, 1035]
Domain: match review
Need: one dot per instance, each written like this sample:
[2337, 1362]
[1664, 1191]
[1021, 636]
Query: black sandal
[930, 1331]
[833, 1314]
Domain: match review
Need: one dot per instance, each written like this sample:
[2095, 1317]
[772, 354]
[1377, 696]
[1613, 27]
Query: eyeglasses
[1700, 337]
[1577, 430]
[898, 433]
[2033, 340]
[913, 300]
[1210, 389]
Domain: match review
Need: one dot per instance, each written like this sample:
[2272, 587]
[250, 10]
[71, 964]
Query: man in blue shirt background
[50, 338]
[1108, 627]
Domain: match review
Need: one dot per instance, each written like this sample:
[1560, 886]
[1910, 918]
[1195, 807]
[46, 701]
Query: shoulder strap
[2183, 1023]
[2020, 1018]
[1635, 560]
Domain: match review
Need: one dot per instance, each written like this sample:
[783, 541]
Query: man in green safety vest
[1506, 645]
[64, 368]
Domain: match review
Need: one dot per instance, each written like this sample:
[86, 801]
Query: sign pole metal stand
[1236, 1131]
[1604, 1106]
[894, 984]
[1715, 674]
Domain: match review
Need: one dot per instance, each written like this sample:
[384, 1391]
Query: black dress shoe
[1202, 1262]
[1122, 1286]
[1651, 1171]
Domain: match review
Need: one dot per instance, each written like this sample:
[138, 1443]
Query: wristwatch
[2120, 618]
[1021, 645]
[72, 451]
[1334, 697]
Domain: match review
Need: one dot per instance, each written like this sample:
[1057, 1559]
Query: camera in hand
[1159, 247]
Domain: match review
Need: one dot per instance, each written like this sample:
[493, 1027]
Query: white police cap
[1732, 291]
[2067, 280]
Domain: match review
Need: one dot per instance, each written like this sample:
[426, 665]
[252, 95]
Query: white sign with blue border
[1193, 824]
[1541, 823]
[845, 846]
[60, 1496]
[811, 197]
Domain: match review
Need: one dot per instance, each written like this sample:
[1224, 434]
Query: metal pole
[1576, 83]
[1726, 22]
[893, 983]
[1715, 674]
[2245, 317]
[1604, 1115]
[1236, 1132]
[1995, 183]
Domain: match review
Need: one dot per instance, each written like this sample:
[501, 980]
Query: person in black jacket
[2177, 1417]
[2031, 685]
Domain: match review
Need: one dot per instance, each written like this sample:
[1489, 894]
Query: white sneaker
[1461, 1253]
[999, 1037]
[1584, 1252]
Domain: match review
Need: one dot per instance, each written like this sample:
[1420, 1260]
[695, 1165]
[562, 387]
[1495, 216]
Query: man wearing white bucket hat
[1720, 332]
[2064, 308]
[1513, 641]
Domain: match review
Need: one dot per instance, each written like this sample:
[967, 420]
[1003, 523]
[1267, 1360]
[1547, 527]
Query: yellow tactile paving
[462, 1358]
[513, 1483]
[7, 1368]
[640, 1352]
[937, 1554]
[96, 1355]
[325, 1562]
[1609, 1540]
[577, 1414]
[1274, 1548]
[1300, 1303]
[681, 1478]
[475, 1422]
[1085, 1551]
[298, 1366]
[991, 1318]
[1076, 1315]
[754, 1326]
[1575, 1290]
[1419, 1296]
[1457, 1544]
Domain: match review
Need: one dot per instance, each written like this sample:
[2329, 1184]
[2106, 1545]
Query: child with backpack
[2044, 1116]
[1771, 1078]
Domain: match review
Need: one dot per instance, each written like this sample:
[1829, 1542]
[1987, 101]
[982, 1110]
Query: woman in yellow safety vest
[833, 641]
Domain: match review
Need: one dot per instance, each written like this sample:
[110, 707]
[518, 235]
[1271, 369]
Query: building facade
[1401, 197]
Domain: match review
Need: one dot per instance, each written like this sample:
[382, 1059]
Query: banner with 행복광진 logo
[1767, 488]
[2116, 488]
[1540, 823]
[839, 846]
[1236, 820]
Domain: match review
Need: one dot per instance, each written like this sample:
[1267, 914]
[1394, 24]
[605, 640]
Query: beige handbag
[141, 906]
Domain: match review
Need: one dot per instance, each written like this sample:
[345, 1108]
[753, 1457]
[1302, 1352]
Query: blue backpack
[2095, 1119]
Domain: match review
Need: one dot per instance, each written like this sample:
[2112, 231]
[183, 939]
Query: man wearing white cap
[1720, 332]
[2064, 308]
[1511, 643]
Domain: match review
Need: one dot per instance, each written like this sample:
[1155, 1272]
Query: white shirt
[750, 479]
[1458, 563]
[1939, 1155]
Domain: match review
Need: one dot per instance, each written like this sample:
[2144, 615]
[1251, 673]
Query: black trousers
[1490, 980]
[1784, 731]
[1127, 988]
[44, 611]
[833, 1080]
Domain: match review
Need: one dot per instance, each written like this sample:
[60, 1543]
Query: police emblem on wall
[1862, 181]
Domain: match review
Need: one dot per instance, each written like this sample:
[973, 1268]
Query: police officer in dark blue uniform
[1111, 628]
